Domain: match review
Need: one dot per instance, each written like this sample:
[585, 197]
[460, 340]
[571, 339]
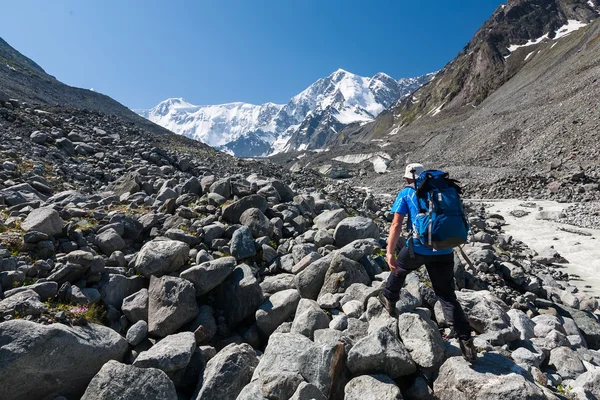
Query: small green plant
[379, 253]
[26, 282]
[273, 244]
[564, 390]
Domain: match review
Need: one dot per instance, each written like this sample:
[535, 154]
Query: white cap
[413, 170]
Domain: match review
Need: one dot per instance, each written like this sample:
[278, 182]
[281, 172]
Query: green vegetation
[90, 313]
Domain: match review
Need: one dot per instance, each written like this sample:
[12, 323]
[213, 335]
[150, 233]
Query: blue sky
[141, 52]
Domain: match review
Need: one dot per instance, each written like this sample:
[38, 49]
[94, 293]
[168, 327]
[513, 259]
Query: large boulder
[360, 248]
[160, 257]
[566, 363]
[422, 339]
[234, 211]
[380, 353]
[116, 381]
[25, 303]
[45, 220]
[135, 306]
[488, 316]
[493, 377]
[210, 274]
[58, 359]
[228, 372]
[587, 385]
[309, 318]
[171, 354]
[171, 304]
[353, 228]
[310, 280]
[342, 273]
[323, 366]
[128, 183]
[239, 296]
[586, 322]
[330, 219]
[372, 387]
[276, 310]
[258, 223]
[114, 288]
[109, 241]
[242, 244]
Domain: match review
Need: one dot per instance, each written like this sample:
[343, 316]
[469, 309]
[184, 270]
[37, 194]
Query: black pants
[441, 272]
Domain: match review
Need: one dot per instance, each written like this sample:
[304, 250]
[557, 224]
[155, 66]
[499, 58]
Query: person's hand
[392, 262]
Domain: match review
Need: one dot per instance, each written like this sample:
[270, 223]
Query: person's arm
[395, 232]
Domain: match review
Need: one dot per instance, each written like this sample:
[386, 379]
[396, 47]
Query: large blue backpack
[441, 223]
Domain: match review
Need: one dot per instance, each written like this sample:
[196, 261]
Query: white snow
[11, 67]
[380, 160]
[529, 55]
[436, 111]
[571, 26]
[582, 252]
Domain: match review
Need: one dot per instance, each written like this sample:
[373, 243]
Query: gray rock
[109, 241]
[135, 306]
[342, 273]
[209, 275]
[330, 219]
[239, 296]
[276, 283]
[45, 290]
[128, 183]
[222, 187]
[353, 308]
[300, 251]
[307, 391]
[24, 303]
[586, 322]
[566, 363]
[422, 339]
[212, 232]
[305, 262]
[309, 317]
[228, 372]
[372, 387]
[171, 304]
[256, 221]
[114, 288]
[40, 137]
[282, 356]
[492, 377]
[234, 211]
[544, 324]
[323, 238]
[487, 315]
[353, 228]
[587, 385]
[380, 352]
[522, 323]
[285, 192]
[160, 257]
[251, 391]
[242, 244]
[45, 220]
[310, 280]
[323, 366]
[527, 358]
[280, 386]
[171, 354]
[276, 310]
[419, 390]
[116, 381]
[204, 326]
[28, 346]
[137, 333]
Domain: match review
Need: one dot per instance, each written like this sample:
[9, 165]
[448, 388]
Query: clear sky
[141, 52]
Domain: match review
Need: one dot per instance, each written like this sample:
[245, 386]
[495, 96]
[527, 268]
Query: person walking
[439, 264]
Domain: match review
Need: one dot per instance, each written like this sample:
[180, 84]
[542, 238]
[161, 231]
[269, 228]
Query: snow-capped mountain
[248, 130]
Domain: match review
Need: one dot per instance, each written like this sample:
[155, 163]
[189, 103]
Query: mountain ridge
[250, 130]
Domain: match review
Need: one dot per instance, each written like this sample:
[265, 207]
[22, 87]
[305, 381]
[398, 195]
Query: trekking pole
[464, 255]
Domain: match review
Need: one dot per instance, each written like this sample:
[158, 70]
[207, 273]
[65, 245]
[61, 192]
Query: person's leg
[441, 273]
[396, 281]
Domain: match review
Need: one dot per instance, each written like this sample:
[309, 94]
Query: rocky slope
[162, 269]
[525, 116]
[248, 130]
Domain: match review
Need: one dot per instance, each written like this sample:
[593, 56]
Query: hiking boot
[389, 305]
[468, 349]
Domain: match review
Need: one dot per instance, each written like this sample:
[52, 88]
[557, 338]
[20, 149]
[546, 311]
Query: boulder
[128, 183]
[493, 377]
[566, 363]
[586, 322]
[234, 211]
[137, 333]
[171, 354]
[45, 220]
[380, 352]
[32, 347]
[24, 303]
[323, 366]
[422, 339]
[276, 283]
[135, 306]
[239, 296]
[330, 219]
[276, 310]
[209, 275]
[309, 317]
[257, 222]
[171, 304]
[353, 228]
[114, 288]
[307, 391]
[310, 280]
[109, 241]
[228, 372]
[342, 273]
[242, 244]
[160, 257]
[522, 323]
[372, 387]
[116, 381]
[587, 385]
[360, 248]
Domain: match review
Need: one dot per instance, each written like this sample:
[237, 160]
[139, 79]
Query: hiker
[439, 264]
